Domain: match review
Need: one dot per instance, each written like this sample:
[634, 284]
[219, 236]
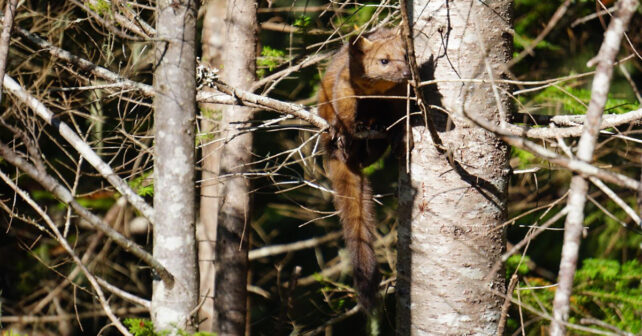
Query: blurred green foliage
[270, 59]
[145, 327]
[571, 100]
[604, 290]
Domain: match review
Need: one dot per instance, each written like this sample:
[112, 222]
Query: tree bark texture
[5, 37]
[452, 205]
[239, 68]
[174, 210]
[212, 44]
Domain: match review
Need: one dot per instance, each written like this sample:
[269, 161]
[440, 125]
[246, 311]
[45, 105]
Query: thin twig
[407, 29]
[559, 13]
[123, 294]
[109, 26]
[333, 321]
[63, 317]
[591, 17]
[575, 165]
[81, 146]
[285, 248]
[52, 226]
[49, 183]
[605, 325]
[612, 195]
[506, 305]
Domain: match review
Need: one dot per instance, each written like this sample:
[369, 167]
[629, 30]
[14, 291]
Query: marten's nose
[406, 73]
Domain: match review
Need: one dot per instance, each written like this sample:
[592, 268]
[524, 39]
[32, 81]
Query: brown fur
[356, 71]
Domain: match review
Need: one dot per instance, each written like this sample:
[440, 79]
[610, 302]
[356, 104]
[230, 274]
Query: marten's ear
[359, 44]
[363, 43]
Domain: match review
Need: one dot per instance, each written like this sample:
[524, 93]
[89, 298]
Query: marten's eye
[384, 61]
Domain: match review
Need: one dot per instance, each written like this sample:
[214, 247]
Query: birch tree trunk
[452, 205]
[212, 44]
[239, 71]
[174, 211]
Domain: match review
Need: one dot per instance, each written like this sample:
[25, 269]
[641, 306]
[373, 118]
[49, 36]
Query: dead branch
[408, 39]
[65, 244]
[110, 26]
[49, 183]
[123, 294]
[285, 248]
[81, 146]
[579, 186]
[575, 165]
[244, 97]
[559, 13]
[62, 317]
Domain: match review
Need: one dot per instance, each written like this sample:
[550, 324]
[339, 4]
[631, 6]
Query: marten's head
[380, 56]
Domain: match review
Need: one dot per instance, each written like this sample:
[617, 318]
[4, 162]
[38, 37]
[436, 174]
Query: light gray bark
[174, 211]
[5, 37]
[452, 205]
[239, 67]
[212, 44]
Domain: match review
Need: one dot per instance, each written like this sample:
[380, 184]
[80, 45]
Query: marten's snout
[406, 73]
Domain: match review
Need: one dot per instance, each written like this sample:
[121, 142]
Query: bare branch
[507, 302]
[49, 183]
[284, 248]
[609, 121]
[408, 39]
[70, 251]
[81, 146]
[559, 13]
[332, 321]
[579, 186]
[63, 317]
[84, 64]
[111, 27]
[123, 294]
[244, 97]
[577, 166]
[612, 195]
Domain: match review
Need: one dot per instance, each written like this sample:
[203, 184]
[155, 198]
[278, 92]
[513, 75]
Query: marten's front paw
[360, 127]
[378, 128]
[364, 129]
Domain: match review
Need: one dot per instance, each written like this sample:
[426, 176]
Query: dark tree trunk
[239, 68]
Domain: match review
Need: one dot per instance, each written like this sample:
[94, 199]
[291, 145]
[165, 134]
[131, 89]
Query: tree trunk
[175, 108]
[212, 43]
[239, 67]
[453, 204]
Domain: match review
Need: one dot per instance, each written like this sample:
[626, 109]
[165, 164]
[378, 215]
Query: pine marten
[371, 65]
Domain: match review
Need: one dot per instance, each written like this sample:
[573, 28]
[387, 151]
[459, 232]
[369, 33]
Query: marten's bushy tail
[353, 200]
